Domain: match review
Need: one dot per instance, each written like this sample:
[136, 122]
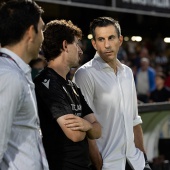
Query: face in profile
[75, 53]
[37, 40]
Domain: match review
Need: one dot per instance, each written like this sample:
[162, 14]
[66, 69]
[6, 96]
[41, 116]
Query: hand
[147, 167]
[77, 123]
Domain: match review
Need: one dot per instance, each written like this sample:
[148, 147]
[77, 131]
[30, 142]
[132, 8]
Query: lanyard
[9, 57]
[74, 92]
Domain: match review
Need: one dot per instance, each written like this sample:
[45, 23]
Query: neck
[59, 66]
[19, 50]
[113, 65]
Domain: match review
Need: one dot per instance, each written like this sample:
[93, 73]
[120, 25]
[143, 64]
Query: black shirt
[57, 97]
[160, 95]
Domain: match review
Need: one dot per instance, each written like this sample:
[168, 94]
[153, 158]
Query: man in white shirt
[108, 87]
[20, 36]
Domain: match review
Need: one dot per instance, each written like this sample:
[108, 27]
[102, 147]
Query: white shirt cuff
[137, 121]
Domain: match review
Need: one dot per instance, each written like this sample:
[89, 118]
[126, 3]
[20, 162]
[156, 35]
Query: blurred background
[145, 25]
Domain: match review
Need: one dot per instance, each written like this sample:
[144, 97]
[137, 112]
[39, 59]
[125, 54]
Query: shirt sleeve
[85, 82]
[52, 98]
[10, 96]
[136, 118]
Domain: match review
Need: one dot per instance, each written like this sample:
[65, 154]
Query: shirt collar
[23, 66]
[103, 64]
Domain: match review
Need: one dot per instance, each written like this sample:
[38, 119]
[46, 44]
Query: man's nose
[107, 43]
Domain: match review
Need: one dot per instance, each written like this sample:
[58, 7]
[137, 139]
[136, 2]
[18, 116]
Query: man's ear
[31, 33]
[121, 39]
[65, 45]
[93, 43]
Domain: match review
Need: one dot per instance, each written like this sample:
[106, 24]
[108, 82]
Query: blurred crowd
[149, 61]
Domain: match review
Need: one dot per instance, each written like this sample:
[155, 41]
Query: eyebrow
[107, 37]
[100, 38]
[112, 36]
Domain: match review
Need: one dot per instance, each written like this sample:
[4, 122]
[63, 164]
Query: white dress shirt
[20, 141]
[113, 100]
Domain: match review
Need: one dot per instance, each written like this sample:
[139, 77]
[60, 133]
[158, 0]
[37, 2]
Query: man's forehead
[99, 31]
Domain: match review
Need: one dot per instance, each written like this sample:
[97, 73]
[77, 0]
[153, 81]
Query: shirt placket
[122, 111]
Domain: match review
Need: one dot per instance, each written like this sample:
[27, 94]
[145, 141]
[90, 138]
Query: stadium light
[90, 36]
[167, 39]
[136, 38]
[126, 38]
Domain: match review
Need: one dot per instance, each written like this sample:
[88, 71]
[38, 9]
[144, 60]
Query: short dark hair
[55, 33]
[16, 16]
[103, 22]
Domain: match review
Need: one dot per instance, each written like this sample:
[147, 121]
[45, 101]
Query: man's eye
[101, 39]
[112, 38]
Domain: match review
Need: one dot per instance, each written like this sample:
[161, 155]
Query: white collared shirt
[20, 141]
[113, 100]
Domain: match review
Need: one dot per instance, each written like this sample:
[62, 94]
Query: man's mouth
[108, 52]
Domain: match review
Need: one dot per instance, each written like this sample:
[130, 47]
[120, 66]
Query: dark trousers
[128, 166]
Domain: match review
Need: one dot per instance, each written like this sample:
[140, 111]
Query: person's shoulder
[127, 72]
[84, 68]
[126, 68]
[42, 75]
[88, 67]
[8, 71]
[84, 73]
[47, 79]
[6, 68]
[42, 80]
[11, 77]
[151, 70]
